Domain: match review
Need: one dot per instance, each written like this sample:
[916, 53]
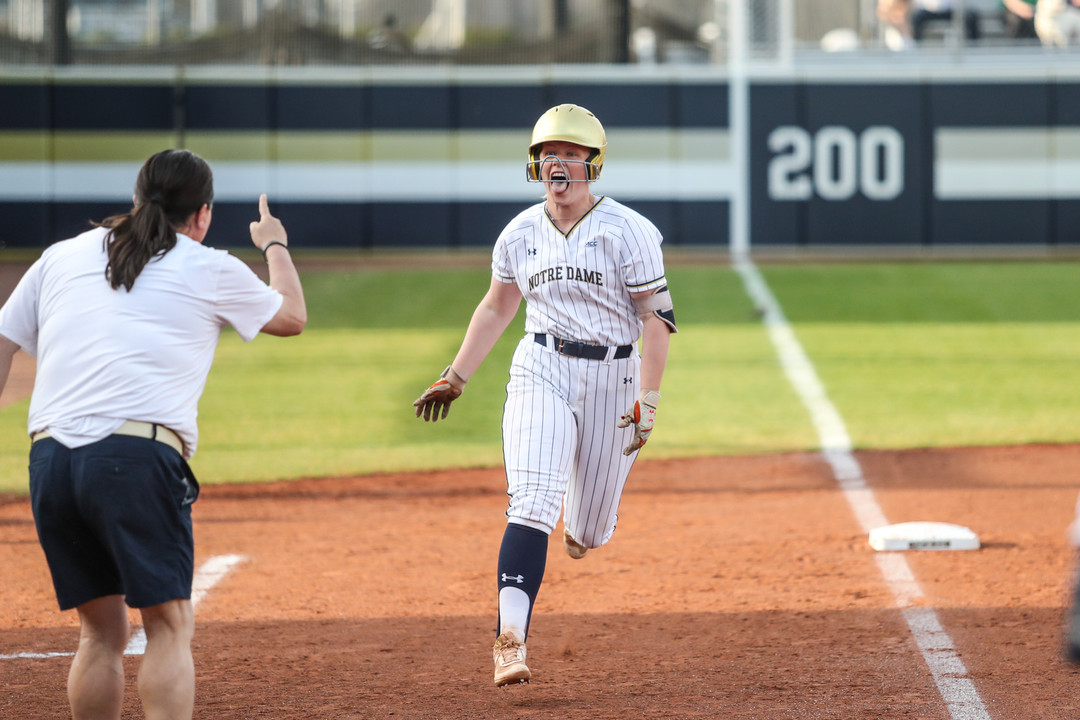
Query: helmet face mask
[534, 170]
[573, 124]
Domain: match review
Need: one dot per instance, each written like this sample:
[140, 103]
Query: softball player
[580, 401]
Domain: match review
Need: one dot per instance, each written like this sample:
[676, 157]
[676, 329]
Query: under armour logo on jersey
[516, 578]
[627, 381]
[531, 251]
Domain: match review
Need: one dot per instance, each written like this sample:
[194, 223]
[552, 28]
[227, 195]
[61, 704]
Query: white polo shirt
[105, 356]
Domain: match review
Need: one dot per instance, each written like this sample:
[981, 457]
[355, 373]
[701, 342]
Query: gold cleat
[573, 548]
[510, 667]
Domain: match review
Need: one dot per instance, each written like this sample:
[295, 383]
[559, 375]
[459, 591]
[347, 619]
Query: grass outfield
[912, 354]
[940, 354]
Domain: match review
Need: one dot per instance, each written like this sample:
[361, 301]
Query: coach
[124, 320]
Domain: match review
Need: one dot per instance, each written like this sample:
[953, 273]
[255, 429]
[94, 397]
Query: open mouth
[558, 181]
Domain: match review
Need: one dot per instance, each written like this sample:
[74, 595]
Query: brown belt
[134, 428]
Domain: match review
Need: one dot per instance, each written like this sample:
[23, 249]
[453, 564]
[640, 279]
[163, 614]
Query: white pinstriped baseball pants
[560, 442]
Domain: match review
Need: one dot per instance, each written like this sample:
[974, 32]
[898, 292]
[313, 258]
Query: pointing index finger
[264, 207]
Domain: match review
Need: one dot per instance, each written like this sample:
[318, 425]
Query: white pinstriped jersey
[577, 286]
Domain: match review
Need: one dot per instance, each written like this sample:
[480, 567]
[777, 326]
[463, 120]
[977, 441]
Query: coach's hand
[641, 416]
[267, 230]
[435, 402]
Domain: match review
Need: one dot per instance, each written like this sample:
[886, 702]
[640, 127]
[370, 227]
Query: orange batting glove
[641, 416]
[435, 402]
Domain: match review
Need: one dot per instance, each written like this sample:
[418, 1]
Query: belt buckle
[559, 342]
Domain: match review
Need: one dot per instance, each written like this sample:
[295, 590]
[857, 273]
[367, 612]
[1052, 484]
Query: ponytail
[171, 187]
[136, 238]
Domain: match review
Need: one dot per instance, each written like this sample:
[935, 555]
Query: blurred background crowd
[503, 32]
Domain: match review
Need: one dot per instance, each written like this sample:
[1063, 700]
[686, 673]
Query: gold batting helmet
[568, 123]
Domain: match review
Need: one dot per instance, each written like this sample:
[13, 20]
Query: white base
[923, 536]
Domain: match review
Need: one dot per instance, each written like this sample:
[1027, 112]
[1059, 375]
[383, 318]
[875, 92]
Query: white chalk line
[951, 676]
[207, 576]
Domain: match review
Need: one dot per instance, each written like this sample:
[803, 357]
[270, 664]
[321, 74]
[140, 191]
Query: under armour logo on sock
[516, 578]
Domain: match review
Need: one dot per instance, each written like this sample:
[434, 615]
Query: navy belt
[582, 350]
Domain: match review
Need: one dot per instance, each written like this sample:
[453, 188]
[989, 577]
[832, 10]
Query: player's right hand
[435, 402]
[642, 417]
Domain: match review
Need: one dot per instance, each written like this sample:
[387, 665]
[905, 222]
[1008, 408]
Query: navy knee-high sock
[522, 559]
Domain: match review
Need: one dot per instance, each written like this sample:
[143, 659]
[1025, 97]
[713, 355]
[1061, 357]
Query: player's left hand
[435, 402]
[641, 416]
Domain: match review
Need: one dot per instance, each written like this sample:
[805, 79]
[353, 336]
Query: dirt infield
[734, 588]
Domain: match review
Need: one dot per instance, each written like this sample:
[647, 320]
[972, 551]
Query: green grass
[940, 354]
[941, 384]
[931, 292]
[912, 354]
[347, 392]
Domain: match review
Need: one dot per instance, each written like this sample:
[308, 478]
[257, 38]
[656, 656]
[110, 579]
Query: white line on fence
[948, 670]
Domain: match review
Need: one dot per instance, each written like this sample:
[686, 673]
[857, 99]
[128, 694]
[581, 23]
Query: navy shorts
[114, 518]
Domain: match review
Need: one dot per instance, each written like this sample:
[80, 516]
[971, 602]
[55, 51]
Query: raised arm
[268, 234]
